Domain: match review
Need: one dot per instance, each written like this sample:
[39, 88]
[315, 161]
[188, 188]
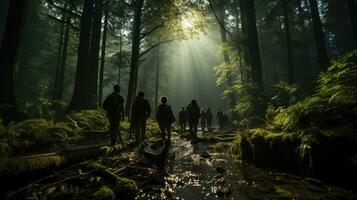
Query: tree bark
[157, 78]
[135, 52]
[9, 53]
[102, 61]
[62, 58]
[230, 81]
[80, 94]
[94, 54]
[120, 56]
[58, 65]
[352, 9]
[319, 36]
[253, 45]
[288, 41]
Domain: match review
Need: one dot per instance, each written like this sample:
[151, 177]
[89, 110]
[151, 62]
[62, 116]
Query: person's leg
[168, 129]
[119, 134]
[195, 125]
[137, 132]
[114, 132]
[143, 130]
[190, 128]
[162, 129]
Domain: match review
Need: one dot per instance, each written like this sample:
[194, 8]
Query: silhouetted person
[140, 112]
[209, 118]
[114, 107]
[193, 113]
[183, 119]
[220, 118]
[165, 118]
[203, 120]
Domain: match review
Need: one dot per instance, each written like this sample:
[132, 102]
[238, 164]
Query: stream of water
[199, 171]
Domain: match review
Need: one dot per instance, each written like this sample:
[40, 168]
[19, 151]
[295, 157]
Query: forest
[178, 99]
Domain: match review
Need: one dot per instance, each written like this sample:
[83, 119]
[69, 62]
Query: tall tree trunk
[288, 41]
[319, 36]
[157, 78]
[62, 56]
[94, 54]
[64, 60]
[243, 16]
[221, 16]
[9, 53]
[352, 10]
[59, 58]
[135, 51]
[80, 94]
[102, 61]
[120, 56]
[253, 45]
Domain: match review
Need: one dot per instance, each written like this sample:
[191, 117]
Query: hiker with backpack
[140, 112]
[114, 107]
[165, 118]
[193, 113]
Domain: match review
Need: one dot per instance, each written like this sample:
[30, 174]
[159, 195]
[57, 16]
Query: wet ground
[206, 170]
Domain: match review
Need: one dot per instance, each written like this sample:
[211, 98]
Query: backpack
[111, 103]
[165, 114]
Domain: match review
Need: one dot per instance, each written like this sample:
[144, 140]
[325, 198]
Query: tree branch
[219, 21]
[63, 9]
[152, 30]
[128, 4]
[74, 6]
[153, 46]
[65, 22]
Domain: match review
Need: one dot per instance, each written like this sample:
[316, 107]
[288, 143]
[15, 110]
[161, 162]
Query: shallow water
[198, 171]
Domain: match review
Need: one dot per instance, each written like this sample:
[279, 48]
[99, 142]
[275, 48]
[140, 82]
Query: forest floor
[199, 169]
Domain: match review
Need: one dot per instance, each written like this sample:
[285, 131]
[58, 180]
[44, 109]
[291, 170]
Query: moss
[14, 166]
[104, 193]
[105, 150]
[39, 134]
[220, 147]
[87, 120]
[284, 193]
[124, 188]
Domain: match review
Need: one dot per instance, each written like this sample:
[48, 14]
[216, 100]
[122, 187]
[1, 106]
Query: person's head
[209, 108]
[116, 88]
[141, 94]
[183, 108]
[163, 99]
[203, 110]
[194, 102]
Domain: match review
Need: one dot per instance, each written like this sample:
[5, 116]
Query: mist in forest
[92, 91]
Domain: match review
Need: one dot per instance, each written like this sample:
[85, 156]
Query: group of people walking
[141, 111]
[192, 115]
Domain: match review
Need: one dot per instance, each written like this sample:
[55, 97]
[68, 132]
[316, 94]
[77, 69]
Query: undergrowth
[327, 115]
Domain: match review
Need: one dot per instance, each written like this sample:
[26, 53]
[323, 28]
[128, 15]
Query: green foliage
[44, 108]
[104, 193]
[333, 104]
[327, 115]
